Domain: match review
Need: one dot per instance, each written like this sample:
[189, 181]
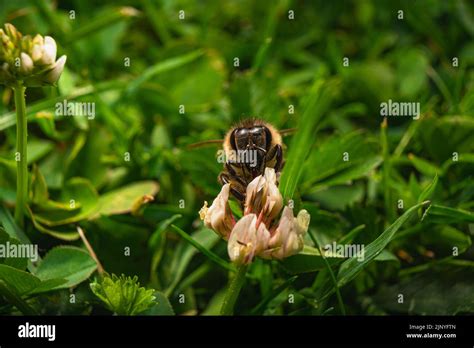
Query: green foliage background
[282, 62]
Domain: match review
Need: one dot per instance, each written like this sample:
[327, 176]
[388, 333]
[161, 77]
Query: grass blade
[316, 104]
[161, 67]
[9, 119]
[274, 293]
[331, 273]
[213, 257]
[101, 22]
[351, 267]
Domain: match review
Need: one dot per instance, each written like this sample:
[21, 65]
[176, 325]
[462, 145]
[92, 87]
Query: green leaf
[161, 67]
[65, 262]
[11, 296]
[442, 214]
[424, 166]
[77, 191]
[6, 242]
[122, 200]
[442, 239]
[162, 306]
[123, 295]
[308, 260]
[155, 237]
[63, 235]
[274, 293]
[315, 106]
[428, 191]
[362, 152]
[105, 20]
[20, 281]
[11, 227]
[213, 257]
[185, 252]
[441, 291]
[39, 190]
[9, 119]
[351, 267]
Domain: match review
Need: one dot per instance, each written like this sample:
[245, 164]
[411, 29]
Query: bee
[250, 147]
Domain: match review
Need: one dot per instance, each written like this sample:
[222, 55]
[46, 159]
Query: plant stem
[22, 161]
[233, 291]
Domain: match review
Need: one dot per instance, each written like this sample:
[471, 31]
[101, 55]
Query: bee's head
[251, 138]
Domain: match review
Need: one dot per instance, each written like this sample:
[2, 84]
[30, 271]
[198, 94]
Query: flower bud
[52, 76]
[37, 59]
[219, 216]
[247, 240]
[26, 63]
[49, 51]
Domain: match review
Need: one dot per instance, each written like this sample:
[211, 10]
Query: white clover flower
[248, 239]
[263, 195]
[52, 76]
[37, 56]
[44, 51]
[219, 216]
[287, 239]
[26, 63]
[256, 234]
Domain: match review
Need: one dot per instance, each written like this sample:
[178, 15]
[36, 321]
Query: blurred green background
[139, 62]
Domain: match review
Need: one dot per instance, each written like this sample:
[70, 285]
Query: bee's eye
[258, 137]
[241, 137]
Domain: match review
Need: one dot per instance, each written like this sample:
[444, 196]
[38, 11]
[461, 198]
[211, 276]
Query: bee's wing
[205, 143]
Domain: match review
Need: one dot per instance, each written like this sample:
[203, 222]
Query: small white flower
[44, 50]
[263, 196]
[287, 239]
[53, 75]
[49, 50]
[247, 240]
[219, 216]
[257, 233]
[37, 59]
[26, 63]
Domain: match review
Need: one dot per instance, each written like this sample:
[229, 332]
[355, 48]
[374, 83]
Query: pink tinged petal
[253, 194]
[263, 195]
[287, 239]
[247, 241]
[219, 216]
[53, 75]
[242, 240]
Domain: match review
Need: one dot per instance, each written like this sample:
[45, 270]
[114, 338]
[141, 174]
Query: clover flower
[219, 216]
[27, 61]
[257, 233]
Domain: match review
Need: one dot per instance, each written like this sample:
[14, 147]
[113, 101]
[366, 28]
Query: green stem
[233, 291]
[22, 161]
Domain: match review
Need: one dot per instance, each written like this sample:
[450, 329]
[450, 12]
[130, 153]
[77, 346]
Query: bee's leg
[230, 168]
[236, 191]
[277, 153]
